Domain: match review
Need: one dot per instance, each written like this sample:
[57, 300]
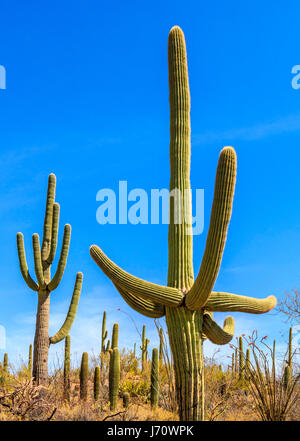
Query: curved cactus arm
[217, 233]
[54, 233]
[62, 259]
[46, 243]
[66, 327]
[215, 333]
[23, 263]
[150, 291]
[38, 266]
[224, 301]
[144, 307]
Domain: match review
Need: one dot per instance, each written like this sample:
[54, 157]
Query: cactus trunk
[41, 338]
[154, 379]
[84, 375]
[67, 368]
[114, 378]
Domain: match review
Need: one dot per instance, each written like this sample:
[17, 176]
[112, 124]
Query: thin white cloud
[286, 124]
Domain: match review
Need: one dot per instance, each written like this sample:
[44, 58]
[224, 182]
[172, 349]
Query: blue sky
[87, 99]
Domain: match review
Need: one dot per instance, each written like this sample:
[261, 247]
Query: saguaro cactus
[97, 383]
[114, 378]
[161, 345]
[154, 379]
[144, 347]
[84, 376]
[104, 333]
[126, 398]
[187, 304]
[5, 363]
[67, 368]
[43, 259]
[115, 336]
[30, 360]
[241, 358]
[290, 349]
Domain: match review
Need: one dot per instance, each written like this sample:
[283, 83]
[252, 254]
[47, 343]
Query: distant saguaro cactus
[188, 303]
[43, 259]
[144, 347]
[67, 368]
[29, 367]
[114, 378]
[241, 358]
[97, 383]
[84, 375]
[5, 363]
[290, 349]
[104, 333]
[115, 336]
[287, 376]
[154, 379]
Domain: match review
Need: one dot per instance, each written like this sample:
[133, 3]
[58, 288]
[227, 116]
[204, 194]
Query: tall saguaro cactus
[104, 333]
[186, 303]
[67, 368]
[144, 347]
[154, 391]
[114, 378]
[43, 259]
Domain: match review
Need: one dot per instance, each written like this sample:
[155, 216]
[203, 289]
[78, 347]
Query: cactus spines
[126, 398]
[5, 363]
[241, 358]
[154, 379]
[114, 378]
[43, 259]
[97, 383]
[84, 375]
[104, 333]
[115, 336]
[67, 368]
[161, 345]
[185, 301]
[30, 360]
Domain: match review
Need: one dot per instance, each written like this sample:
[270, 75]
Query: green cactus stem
[84, 376]
[126, 398]
[114, 378]
[67, 368]
[5, 363]
[43, 258]
[247, 362]
[154, 379]
[115, 336]
[97, 383]
[144, 347]
[241, 358]
[287, 377]
[185, 302]
[29, 367]
[104, 333]
[290, 349]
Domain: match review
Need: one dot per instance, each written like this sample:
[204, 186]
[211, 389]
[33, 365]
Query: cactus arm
[217, 233]
[38, 260]
[66, 327]
[224, 301]
[54, 233]
[150, 291]
[145, 307]
[46, 243]
[215, 333]
[23, 263]
[62, 259]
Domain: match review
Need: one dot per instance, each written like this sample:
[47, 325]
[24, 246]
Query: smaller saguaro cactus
[114, 378]
[161, 345]
[144, 347]
[236, 364]
[29, 367]
[287, 376]
[84, 374]
[241, 358]
[290, 349]
[115, 336]
[134, 348]
[67, 368]
[126, 398]
[97, 383]
[104, 333]
[5, 363]
[154, 379]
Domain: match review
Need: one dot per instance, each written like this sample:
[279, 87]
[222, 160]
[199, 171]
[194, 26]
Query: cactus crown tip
[175, 29]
